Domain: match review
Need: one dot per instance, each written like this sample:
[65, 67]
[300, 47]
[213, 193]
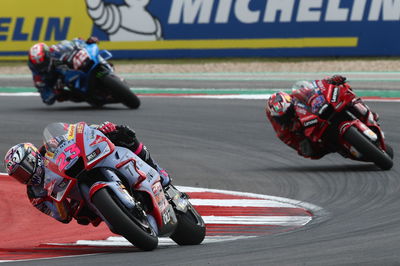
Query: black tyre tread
[189, 231]
[389, 150]
[121, 91]
[368, 149]
[121, 221]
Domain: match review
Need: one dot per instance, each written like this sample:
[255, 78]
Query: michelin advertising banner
[206, 28]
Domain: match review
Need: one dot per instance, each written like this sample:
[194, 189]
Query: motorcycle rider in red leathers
[285, 112]
[24, 162]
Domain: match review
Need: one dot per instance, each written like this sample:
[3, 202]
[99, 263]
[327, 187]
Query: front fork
[113, 183]
[179, 200]
[375, 136]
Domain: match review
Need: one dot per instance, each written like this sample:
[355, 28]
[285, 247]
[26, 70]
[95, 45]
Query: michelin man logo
[128, 22]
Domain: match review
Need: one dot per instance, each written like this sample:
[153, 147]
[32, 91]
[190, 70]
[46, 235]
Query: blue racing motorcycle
[88, 76]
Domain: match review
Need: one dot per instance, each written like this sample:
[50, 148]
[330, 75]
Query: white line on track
[162, 241]
[281, 200]
[295, 221]
[241, 203]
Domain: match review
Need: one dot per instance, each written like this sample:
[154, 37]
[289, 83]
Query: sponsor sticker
[310, 122]
[322, 109]
[79, 129]
[71, 132]
[335, 95]
[93, 155]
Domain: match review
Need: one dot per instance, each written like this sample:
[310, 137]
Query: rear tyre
[121, 91]
[191, 229]
[133, 229]
[368, 149]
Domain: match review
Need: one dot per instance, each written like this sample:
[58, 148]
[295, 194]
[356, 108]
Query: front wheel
[121, 91]
[389, 150]
[191, 229]
[135, 228]
[368, 149]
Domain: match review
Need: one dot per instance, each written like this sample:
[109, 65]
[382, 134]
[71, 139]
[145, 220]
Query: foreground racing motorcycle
[82, 164]
[338, 125]
[89, 77]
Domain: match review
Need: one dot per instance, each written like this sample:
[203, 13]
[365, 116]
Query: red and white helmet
[279, 103]
[39, 57]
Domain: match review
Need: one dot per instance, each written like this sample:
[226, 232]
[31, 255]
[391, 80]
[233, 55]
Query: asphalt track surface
[227, 144]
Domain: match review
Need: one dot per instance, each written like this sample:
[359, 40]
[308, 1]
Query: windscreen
[54, 134]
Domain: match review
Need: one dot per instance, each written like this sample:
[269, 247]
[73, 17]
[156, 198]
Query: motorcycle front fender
[163, 211]
[105, 178]
[365, 130]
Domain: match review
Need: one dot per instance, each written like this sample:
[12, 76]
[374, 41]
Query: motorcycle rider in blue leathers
[25, 163]
[47, 65]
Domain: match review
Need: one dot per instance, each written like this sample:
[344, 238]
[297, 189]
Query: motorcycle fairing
[95, 150]
[143, 178]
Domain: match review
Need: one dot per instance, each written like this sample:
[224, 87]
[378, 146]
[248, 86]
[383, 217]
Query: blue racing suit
[49, 83]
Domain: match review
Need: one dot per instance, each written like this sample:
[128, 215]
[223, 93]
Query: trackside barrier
[206, 28]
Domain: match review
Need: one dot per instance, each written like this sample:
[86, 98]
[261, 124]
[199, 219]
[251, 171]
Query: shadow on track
[326, 168]
[75, 108]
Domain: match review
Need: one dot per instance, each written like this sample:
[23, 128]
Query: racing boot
[140, 150]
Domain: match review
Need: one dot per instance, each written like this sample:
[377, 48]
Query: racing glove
[336, 80]
[107, 128]
[121, 135]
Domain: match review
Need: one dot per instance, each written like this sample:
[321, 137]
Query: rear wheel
[191, 229]
[368, 149]
[121, 91]
[135, 228]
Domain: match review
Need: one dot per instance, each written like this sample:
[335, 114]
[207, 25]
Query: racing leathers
[64, 211]
[308, 99]
[49, 83]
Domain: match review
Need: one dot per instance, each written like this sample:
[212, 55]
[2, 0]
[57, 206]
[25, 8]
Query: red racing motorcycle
[335, 122]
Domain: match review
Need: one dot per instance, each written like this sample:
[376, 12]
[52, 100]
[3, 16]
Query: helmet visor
[43, 67]
[24, 170]
[22, 175]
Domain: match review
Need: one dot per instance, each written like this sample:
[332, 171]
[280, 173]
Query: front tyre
[121, 91]
[368, 149]
[133, 229]
[389, 150]
[191, 229]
